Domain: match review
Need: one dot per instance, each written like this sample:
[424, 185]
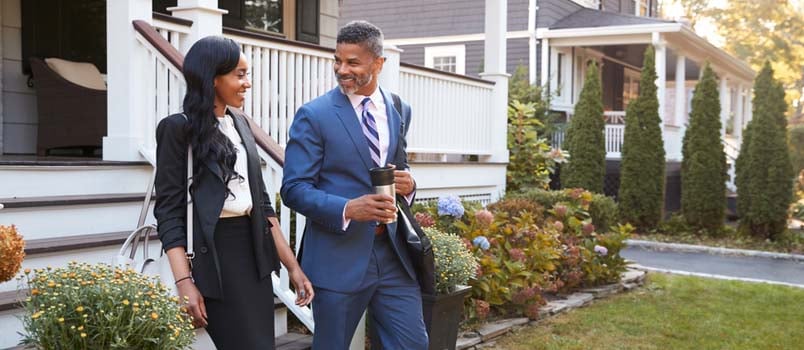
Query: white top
[377, 109]
[239, 201]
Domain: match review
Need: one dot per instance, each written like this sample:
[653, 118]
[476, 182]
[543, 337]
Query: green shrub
[764, 171]
[585, 140]
[703, 167]
[530, 159]
[642, 171]
[87, 306]
[602, 209]
[795, 145]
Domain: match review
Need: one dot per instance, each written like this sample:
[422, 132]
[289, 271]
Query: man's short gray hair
[362, 33]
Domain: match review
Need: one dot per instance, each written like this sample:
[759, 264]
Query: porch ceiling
[678, 37]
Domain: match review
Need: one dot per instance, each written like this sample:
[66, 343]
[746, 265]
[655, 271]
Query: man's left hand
[403, 182]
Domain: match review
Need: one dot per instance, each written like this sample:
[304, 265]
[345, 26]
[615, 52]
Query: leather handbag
[160, 267]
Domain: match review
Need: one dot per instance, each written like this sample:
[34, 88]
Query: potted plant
[12, 251]
[455, 265]
[85, 306]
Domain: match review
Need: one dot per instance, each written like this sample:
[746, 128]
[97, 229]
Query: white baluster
[275, 79]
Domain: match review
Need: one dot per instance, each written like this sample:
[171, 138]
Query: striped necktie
[370, 130]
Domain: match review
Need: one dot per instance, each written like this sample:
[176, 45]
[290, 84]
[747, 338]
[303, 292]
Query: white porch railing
[163, 85]
[452, 113]
[614, 134]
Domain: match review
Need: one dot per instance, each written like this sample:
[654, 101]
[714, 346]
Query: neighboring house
[555, 39]
[80, 208]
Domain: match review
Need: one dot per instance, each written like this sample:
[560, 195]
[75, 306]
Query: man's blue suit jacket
[327, 163]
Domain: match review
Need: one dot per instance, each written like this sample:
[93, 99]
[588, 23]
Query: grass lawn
[676, 312]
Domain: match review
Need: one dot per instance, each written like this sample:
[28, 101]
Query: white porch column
[206, 16]
[545, 62]
[680, 117]
[389, 77]
[532, 8]
[749, 104]
[661, 75]
[725, 106]
[495, 70]
[738, 114]
[124, 71]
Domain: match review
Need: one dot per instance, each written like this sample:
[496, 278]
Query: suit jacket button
[203, 250]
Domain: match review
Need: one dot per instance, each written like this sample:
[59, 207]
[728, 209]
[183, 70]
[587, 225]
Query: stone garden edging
[690, 248]
[484, 335]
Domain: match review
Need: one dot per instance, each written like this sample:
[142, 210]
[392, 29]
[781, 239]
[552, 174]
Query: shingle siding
[517, 54]
[427, 18]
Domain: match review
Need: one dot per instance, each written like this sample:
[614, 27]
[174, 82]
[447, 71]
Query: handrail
[450, 74]
[273, 149]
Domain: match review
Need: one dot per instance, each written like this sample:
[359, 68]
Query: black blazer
[208, 196]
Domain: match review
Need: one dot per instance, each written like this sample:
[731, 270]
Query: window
[446, 58]
[260, 15]
[642, 8]
[445, 63]
[630, 86]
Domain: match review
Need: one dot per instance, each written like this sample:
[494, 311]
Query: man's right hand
[189, 293]
[371, 207]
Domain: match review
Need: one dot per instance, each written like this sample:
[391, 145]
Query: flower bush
[87, 306]
[533, 245]
[12, 252]
[454, 263]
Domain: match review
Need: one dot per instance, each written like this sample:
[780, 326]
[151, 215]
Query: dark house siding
[614, 5]
[517, 54]
[427, 18]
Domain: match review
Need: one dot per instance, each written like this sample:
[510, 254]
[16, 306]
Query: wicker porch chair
[72, 117]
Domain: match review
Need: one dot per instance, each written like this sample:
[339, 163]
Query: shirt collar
[376, 98]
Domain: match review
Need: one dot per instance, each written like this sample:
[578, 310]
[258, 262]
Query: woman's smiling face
[230, 88]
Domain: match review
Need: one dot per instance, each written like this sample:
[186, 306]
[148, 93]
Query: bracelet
[185, 278]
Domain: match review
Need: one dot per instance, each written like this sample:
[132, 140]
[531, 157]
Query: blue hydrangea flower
[482, 242]
[451, 206]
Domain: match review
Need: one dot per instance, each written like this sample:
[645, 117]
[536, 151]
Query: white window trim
[566, 75]
[459, 51]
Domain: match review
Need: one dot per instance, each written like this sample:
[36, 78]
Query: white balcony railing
[451, 114]
[614, 134]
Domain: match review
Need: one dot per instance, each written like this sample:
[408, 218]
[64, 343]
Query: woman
[236, 237]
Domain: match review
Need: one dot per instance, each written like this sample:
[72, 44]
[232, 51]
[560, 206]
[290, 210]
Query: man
[354, 260]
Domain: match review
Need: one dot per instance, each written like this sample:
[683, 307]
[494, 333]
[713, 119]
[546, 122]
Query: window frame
[457, 51]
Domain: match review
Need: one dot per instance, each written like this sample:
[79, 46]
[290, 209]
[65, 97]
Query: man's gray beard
[358, 85]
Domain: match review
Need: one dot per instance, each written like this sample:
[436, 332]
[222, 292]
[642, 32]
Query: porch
[617, 43]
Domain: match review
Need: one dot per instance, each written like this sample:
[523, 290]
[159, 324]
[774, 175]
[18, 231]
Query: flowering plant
[450, 206]
[454, 264]
[12, 251]
[87, 306]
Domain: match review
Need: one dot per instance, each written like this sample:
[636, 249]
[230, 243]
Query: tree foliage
[642, 171]
[757, 31]
[585, 140]
[764, 171]
[703, 167]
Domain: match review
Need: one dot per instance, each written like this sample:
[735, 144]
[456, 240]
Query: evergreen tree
[765, 172]
[703, 168]
[642, 171]
[585, 140]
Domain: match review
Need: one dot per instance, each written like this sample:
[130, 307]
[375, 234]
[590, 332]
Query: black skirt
[244, 318]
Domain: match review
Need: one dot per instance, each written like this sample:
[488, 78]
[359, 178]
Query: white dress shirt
[239, 201]
[377, 109]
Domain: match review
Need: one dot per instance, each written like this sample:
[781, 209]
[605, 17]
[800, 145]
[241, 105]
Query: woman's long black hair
[208, 58]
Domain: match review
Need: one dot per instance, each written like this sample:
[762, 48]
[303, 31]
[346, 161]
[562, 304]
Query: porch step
[71, 215]
[22, 179]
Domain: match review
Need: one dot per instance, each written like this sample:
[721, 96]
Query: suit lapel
[394, 124]
[347, 115]
[241, 125]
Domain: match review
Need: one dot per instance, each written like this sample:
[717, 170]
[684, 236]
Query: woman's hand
[194, 302]
[304, 289]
